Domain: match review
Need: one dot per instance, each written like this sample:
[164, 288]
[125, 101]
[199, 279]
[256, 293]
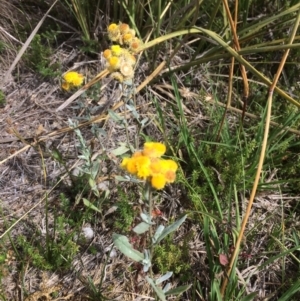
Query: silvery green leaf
[146, 218]
[178, 290]
[84, 157]
[128, 82]
[158, 232]
[144, 121]
[88, 204]
[166, 287]
[123, 179]
[122, 243]
[146, 262]
[95, 169]
[92, 183]
[170, 229]
[157, 289]
[120, 150]
[128, 179]
[93, 186]
[133, 111]
[141, 228]
[115, 116]
[146, 254]
[163, 278]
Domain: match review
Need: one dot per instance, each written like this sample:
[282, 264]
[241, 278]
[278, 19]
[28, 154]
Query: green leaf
[290, 292]
[88, 204]
[122, 149]
[249, 297]
[122, 243]
[163, 278]
[178, 290]
[57, 155]
[171, 229]
[114, 116]
[157, 234]
[157, 289]
[141, 228]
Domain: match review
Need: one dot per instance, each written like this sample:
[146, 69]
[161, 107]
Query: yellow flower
[158, 181]
[123, 27]
[114, 63]
[117, 76]
[116, 50]
[135, 45]
[170, 176]
[138, 165]
[162, 172]
[143, 167]
[155, 166]
[169, 165]
[113, 32]
[107, 54]
[154, 149]
[73, 78]
[129, 165]
[127, 38]
[148, 165]
[112, 27]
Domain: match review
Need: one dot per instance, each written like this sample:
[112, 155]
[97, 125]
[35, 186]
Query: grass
[220, 90]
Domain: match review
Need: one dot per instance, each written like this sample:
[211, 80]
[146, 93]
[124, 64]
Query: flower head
[154, 149]
[124, 28]
[127, 38]
[116, 50]
[114, 63]
[72, 79]
[126, 70]
[135, 45]
[117, 76]
[158, 181]
[147, 165]
[107, 54]
[112, 27]
[121, 61]
[113, 32]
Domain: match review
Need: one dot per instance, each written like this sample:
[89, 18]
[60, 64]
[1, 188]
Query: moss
[38, 56]
[125, 214]
[172, 257]
[2, 99]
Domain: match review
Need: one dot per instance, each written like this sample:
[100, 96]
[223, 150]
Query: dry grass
[9, 41]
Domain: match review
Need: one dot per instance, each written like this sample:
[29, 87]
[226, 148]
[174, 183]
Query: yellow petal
[154, 149]
[158, 181]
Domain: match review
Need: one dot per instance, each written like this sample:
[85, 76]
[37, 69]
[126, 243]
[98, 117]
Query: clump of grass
[38, 57]
[51, 253]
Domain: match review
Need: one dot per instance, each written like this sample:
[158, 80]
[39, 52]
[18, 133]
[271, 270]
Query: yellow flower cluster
[148, 165]
[124, 35]
[72, 79]
[121, 61]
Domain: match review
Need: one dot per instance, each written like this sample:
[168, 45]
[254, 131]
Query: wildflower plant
[149, 167]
